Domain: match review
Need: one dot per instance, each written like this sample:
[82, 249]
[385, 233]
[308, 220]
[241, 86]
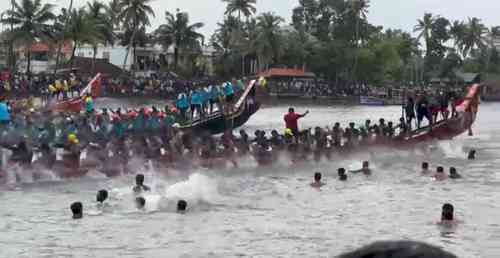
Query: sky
[399, 14]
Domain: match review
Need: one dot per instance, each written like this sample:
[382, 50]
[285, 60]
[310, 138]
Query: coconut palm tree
[114, 11]
[177, 31]
[269, 39]
[98, 13]
[358, 9]
[31, 20]
[424, 27]
[82, 30]
[493, 33]
[245, 7]
[457, 32]
[134, 14]
[474, 36]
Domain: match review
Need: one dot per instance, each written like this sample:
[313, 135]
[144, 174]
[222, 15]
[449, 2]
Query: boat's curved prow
[459, 123]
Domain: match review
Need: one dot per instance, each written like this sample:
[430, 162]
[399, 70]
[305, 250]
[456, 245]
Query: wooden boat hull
[449, 128]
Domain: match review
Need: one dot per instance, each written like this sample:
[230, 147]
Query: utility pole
[12, 58]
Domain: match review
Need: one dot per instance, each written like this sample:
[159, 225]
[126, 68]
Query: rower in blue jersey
[196, 103]
[228, 92]
[182, 104]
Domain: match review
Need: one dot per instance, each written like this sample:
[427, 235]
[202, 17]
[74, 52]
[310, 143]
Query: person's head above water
[140, 202]
[447, 212]
[291, 110]
[453, 171]
[102, 195]
[366, 165]
[472, 155]
[139, 179]
[342, 174]
[77, 210]
[440, 169]
[181, 205]
[398, 249]
[425, 166]
[317, 177]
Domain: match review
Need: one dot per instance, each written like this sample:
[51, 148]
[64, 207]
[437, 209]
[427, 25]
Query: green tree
[178, 31]
[474, 36]
[269, 39]
[99, 14]
[245, 7]
[82, 30]
[31, 20]
[134, 14]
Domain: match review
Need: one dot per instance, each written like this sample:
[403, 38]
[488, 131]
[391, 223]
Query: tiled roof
[285, 72]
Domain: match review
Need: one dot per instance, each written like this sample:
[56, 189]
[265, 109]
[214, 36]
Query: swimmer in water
[365, 169]
[317, 180]
[139, 184]
[77, 210]
[101, 196]
[399, 249]
[342, 174]
[425, 168]
[181, 206]
[454, 174]
[472, 155]
[140, 203]
[447, 215]
[440, 175]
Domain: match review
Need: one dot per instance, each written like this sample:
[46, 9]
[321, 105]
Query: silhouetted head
[351, 125]
[102, 195]
[139, 179]
[181, 206]
[398, 249]
[390, 124]
[401, 119]
[382, 121]
[440, 170]
[77, 210]
[291, 110]
[317, 177]
[337, 125]
[472, 155]
[368, 121]
[447, 212]
[341, 173]
[453, 171]
[425, 166]
[140, 202]
[366, 164]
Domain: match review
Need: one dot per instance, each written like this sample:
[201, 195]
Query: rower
[139, 184]
[454, 174]
[77, 210]
[317, 180]
[342, 174]
[472, 155]
[181, 206]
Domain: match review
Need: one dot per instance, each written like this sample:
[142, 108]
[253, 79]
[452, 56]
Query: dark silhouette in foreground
[398, 249]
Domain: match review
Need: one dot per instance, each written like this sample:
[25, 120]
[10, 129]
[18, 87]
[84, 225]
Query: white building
[148, 58]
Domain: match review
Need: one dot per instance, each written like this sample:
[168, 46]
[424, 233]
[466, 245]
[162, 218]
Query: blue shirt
[182, 101]
[196, 98]
[4, 113]
[228, 89]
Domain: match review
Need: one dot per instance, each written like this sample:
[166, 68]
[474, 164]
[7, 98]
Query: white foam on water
[452, 149]
[197, 188]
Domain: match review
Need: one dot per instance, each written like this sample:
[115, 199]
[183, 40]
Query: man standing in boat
[291, 120]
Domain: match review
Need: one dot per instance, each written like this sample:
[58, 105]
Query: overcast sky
[389, 13]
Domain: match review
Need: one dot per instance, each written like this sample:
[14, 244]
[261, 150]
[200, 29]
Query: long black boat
[245, 107]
